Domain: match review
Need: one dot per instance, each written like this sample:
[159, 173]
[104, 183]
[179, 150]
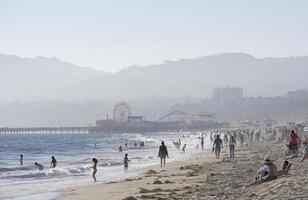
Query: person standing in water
[120, 149]
[217, 146]
[202, 142]
[21, 159]
[53, 163]
[126, 162]
[184, 148]
[232, 143]
[94, 160]
[163, 153]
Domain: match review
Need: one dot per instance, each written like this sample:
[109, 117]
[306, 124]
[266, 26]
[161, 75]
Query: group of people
[268, 171]
[39, 166]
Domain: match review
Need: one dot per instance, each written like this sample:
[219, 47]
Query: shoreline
[144, 177]
[204, 177]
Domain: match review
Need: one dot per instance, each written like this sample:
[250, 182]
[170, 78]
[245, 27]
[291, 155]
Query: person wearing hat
[267, 172]
[272, 169]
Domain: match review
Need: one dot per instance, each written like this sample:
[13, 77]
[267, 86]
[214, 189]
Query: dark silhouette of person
[53, 163]
[163, 153]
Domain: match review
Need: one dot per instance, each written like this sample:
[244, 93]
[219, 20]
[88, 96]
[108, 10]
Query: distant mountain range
[33, 79]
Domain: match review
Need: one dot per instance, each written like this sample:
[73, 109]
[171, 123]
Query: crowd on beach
[231, 138]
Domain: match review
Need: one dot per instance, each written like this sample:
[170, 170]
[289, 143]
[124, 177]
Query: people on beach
[94, 161]
[163, 153]
[120, 149]
[126, 144]
[21, 159]
[135, 144]
[305, 152]
[269, 171]
[53, 162]
[232, 143]
[184, 148]
[293, 142]
[126, 160]
[217, 146]
[202, 143]
[39, 166]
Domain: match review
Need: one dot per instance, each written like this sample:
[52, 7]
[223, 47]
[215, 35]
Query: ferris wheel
[121, 112]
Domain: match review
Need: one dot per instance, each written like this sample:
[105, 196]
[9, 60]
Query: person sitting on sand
[94, 160]
[126, 162]
[217, 146]
[163, 153]
[305, 156]
[39, 166]
[268, 173]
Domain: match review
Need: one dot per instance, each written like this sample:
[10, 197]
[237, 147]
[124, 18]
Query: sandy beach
[205, 177]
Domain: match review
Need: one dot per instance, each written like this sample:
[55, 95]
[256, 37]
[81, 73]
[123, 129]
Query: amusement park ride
[124, 121]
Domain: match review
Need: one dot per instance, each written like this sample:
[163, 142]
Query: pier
[46, 130]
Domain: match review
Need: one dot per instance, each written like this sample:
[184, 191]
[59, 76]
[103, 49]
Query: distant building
[298, 94]
[228, 95]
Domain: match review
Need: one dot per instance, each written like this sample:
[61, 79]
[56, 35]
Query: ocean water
[74, 153]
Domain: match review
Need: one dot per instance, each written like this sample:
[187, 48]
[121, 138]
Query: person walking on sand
[94, 160]
[232, 143]
[293, 141]
[217, 146]
[21, 159]
[163, 153]
[305, 156]
[53, 163]
[126, 162]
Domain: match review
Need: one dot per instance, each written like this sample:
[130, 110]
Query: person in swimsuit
[39, 166]
[163, 153]
[94, 160]
[217, 146]
[21, 159]
[126, 162]
[184, 148]
[53, 163]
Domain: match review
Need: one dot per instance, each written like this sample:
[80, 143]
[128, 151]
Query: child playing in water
[94, 160]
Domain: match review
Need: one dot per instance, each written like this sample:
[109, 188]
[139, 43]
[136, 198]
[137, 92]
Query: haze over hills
[40, 78]
[46, 87]
[34, 79]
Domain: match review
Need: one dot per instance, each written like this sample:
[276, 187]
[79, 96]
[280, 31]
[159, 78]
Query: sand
[205, 177]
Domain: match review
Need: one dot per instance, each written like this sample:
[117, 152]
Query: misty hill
[50, 78]
[39, 78]
[197, 77]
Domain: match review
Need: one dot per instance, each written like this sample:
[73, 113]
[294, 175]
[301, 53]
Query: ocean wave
[12, 169]
[138, 137]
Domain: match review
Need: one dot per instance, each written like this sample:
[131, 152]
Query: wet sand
[205, 177]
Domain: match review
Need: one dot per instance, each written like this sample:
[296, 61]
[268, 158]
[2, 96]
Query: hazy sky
[111, 34]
